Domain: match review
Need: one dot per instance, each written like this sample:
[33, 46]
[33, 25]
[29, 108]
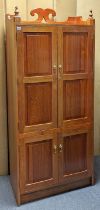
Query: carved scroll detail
[43, 14]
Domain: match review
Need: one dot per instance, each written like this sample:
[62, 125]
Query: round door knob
[60, 148]
[60, 66]
[54, 66]
[55, 149]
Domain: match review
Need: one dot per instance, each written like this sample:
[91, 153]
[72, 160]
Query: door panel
[74, 153]
[75, 103]
[37, 78]
[75, 75]
[38, 54]
[38, 100]
[74, 99]
[75, 50]
[75, 157]
[38, 162]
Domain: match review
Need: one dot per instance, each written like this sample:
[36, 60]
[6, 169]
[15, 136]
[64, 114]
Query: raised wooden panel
[38, 53]
[37, 78]
[38, 161]
[38, 103]
[74, 99]
[74, 154]
[75, 52]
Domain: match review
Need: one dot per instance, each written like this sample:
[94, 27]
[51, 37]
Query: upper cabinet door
[37, 78]
[75, 75]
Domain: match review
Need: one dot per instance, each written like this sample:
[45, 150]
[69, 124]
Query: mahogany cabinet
[50, 79]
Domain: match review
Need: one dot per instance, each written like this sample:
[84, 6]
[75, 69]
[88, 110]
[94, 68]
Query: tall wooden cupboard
[50, 71]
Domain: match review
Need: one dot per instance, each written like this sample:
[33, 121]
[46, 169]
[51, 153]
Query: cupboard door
[38, 159]
[75, 76]
[75, 102]
[75, 156]
[37, 78]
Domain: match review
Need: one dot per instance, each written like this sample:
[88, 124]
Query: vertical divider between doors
[60, 78]
[60, 98]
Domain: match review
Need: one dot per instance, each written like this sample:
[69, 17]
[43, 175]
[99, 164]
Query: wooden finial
[16, 11]
[91, 14]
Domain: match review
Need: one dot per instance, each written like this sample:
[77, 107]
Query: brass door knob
[55, 149]
[60, 71]
[54, 71]
[60, 66]
[54, 66]
[60, 148]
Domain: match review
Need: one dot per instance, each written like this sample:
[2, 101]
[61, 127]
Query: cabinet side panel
[12, 103]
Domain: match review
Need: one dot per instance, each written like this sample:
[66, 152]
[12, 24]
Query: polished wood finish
[76, 156]
[12, 100]
[55, 190]
[50, 72]
[37, 78]
[37, 96]
[39, 162]
[43, 14]
[74, 92]
[77, 62]
[75, 76]
[43, 43]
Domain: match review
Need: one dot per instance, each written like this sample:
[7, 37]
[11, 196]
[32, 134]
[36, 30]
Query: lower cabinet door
[75, 157]
[38, 160]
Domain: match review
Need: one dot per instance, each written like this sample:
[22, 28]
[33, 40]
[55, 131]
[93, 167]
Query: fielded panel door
[38, 160]
[75, 102]
[75, 75]
[75, 155]
[37, 78]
